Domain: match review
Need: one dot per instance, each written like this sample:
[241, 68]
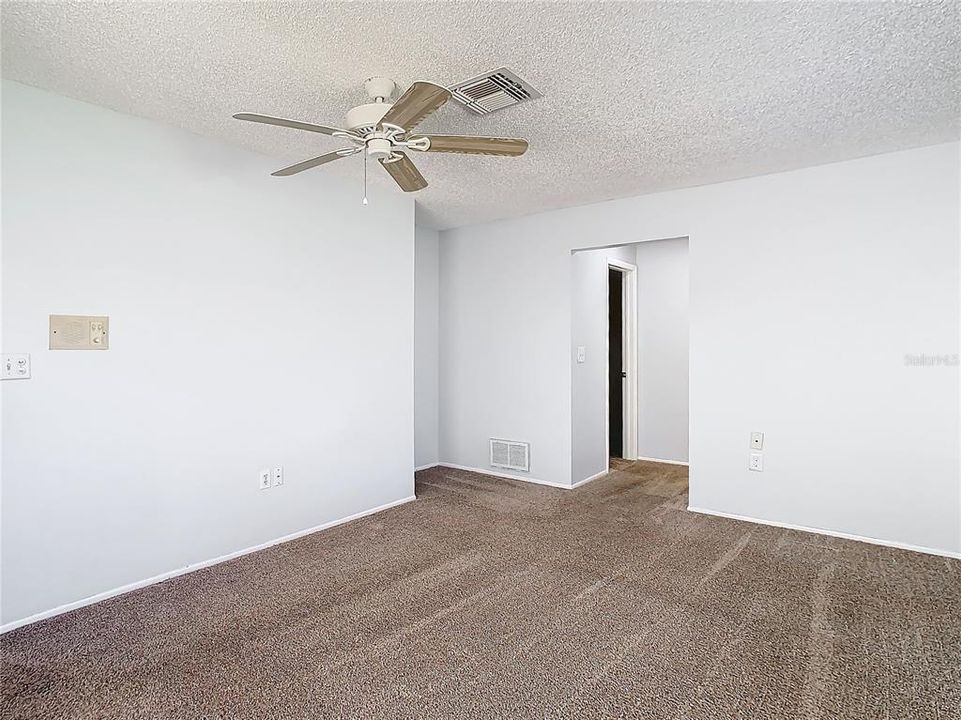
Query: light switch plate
[16, 367]
[79, 332]
[757, 441]
[278, 475]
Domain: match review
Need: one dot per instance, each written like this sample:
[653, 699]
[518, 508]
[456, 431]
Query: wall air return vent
[511, 455]
[492, 91]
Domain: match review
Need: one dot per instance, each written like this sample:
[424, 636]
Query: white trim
[586, 480]
[629, 362]
[830, 533]
[502, 475]
[192, 567]
[614, 246]
[607, 372]
[426, 467]
[662, 460]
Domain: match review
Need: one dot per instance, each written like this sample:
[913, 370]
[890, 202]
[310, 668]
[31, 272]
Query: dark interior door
[615, 362]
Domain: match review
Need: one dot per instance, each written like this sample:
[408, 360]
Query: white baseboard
[586, 480]
[830, 533]
[191, 568]
[662, 460]
[426, 467]
[502, 475]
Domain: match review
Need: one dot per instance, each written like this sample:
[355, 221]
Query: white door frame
[628, 362]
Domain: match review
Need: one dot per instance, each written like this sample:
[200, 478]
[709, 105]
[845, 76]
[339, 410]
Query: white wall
[663, 324]
[807, 291]
[589, 329]
[502, 341]
[426, 350]
[254, 322]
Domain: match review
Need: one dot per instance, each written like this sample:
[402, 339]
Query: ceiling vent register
[493, 91]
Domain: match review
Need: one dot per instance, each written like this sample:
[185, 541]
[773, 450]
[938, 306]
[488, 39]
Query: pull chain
[365, 177]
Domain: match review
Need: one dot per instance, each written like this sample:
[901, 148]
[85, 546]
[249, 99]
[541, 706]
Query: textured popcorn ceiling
[638, 97]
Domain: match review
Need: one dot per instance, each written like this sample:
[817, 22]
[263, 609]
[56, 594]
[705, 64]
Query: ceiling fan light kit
[384, 130]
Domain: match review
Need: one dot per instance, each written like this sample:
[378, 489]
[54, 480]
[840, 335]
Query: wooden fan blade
[405, 173]
[283, 122]
[508, 147]
[420, 100]
[313, 162]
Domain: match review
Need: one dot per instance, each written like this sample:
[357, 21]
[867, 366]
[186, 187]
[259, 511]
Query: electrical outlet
[16, 367]
[278, 475]
[757, 441]
[264, 480]
[757, 462]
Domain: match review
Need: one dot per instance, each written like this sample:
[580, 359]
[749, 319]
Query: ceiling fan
[385, 131]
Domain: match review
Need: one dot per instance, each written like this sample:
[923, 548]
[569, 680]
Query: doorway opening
[621, 361]
[629, 357]
[615, 364]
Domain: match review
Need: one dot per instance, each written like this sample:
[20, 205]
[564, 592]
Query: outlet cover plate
[16, 367]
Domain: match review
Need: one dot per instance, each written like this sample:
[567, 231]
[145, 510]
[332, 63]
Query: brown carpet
[495, 599]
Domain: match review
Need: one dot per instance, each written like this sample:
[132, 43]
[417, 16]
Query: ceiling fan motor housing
[378, 148]
[365, 118]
